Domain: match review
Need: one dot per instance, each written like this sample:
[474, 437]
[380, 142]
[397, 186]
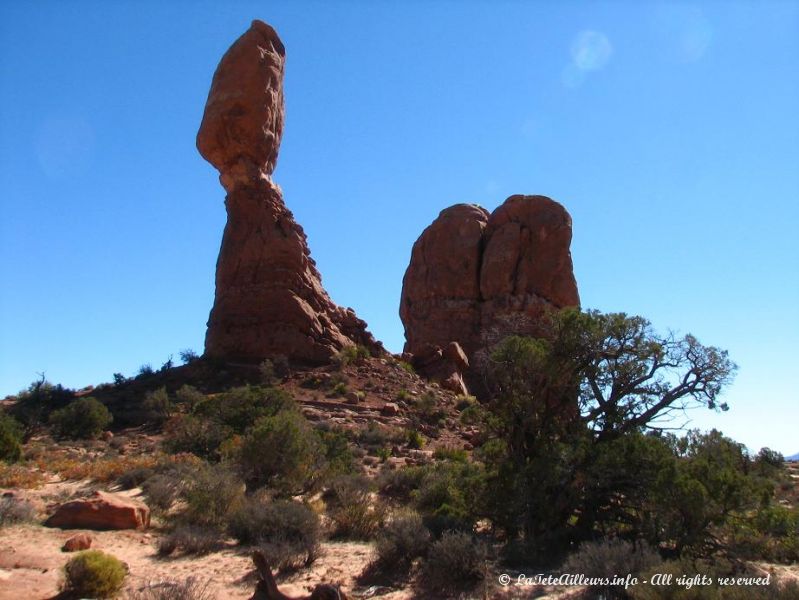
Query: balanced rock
[475, 278]
[269, 297]
[101, 510]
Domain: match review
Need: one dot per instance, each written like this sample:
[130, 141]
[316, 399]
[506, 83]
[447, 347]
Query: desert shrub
[401, 483]
[239, 408]
[454, 562]
[145, 370]
[190, 539]
[34, 405]
[211, 496]
[283, 452]
[772, 533]
[339, 389]
[404, 395]
[464, 401]
[447, 496]
[608, 558]
[351, 355]
[406, 366]
[266, 370]
[379, 435]
[199, 436]
[15, 510]
[287, 531]
[162, 489]
[189, 395]
[188, 356]
[157, 405]
[713, 570]
[135, 477]
[353, 513]
[10, 438]
[428, 410]
[452, 454]
[119, 379]
[402, 540]
[473, 414]
[337, 452]
[81, 419]
[415, 439]
[94, 574]
[188, 589]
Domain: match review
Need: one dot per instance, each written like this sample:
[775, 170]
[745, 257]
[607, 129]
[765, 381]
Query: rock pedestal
[269, 297]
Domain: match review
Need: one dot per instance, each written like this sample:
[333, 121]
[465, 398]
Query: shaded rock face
[476, 278]
[101, 511]
[269, 297]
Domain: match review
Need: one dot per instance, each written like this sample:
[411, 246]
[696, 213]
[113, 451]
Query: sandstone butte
[475, 278]
[269, 298]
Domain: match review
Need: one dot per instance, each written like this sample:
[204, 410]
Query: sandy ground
[31, 561]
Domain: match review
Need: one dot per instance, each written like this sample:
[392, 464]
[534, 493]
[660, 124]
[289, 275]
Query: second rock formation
[476, 278]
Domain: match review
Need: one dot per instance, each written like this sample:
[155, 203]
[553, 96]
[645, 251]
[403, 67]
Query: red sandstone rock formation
[101, 511]
[269, 297]
[476, 278]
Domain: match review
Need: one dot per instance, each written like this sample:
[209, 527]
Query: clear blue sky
[668, 130]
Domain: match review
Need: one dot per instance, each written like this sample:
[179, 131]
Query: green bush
[351, 355]
[287, 531]
[157, 405]
[415, 439]
[94, 574]
[447, 496]
[428, 409]
[10, 438]
[283, 452]
[239, 408]
[338, 455]
[34, 405]
[198, 435]
[189, 396]
[211, 496]
[454, 562]
[402, 540]
[188, 356]
[83, 418]
[453, 454]
[401, 483]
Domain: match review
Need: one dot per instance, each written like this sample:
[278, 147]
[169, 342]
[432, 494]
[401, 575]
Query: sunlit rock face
[269, 297]
[475, 278]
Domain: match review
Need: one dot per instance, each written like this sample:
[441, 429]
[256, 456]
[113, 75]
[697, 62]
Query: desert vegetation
[567, 465]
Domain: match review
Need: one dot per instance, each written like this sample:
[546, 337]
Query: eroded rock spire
[269, 297]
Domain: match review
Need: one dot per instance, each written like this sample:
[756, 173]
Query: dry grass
[99, 469]
[20, 477]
